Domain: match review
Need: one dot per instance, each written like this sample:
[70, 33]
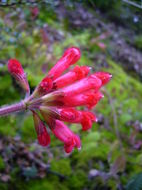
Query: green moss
[8, 126]
[125, 93]
[37, 185]
[50, 183]
[62, 166]
[78, 180]
[27, 130]
[7, 88]
[93, 146]
[78, 40]
[47, 16]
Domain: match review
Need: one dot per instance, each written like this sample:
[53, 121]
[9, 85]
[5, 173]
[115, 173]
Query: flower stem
[6, 110]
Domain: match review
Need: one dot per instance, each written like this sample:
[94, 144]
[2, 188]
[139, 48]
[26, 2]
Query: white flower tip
[102, 96]
[110, 75]
[90, 68]
[79, 149]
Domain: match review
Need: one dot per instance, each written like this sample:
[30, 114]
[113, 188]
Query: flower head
[58, 96]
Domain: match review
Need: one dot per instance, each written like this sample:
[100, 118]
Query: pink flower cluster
[58, 95]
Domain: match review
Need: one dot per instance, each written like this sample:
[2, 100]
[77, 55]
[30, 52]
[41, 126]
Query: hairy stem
[6, 110]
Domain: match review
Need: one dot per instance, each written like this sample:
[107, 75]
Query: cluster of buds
[56, 98]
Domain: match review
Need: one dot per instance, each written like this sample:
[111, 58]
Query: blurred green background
[110, 38]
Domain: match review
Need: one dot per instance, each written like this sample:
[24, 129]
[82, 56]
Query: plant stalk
[6, 110]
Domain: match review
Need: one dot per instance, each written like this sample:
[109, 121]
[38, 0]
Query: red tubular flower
[76, 74]
[89, 99]
[42, 134]
[74, 116]
[70, 56]
[64, 134]
[16, 70]
[91, 82]
[103, 76]
[85, 118]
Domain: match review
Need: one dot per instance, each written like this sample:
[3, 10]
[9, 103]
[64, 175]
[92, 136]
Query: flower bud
[70, 56]
[42, 134]
[16, 70]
